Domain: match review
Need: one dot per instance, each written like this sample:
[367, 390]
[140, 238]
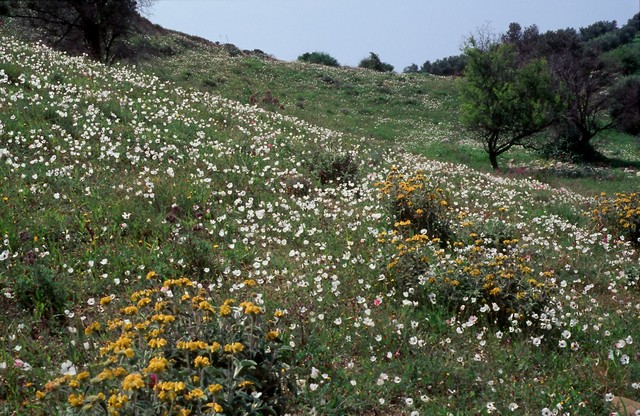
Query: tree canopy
[373, 62]
[320, 58]
[504, 102]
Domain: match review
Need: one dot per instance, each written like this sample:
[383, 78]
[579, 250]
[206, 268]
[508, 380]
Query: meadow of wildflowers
[168, 251]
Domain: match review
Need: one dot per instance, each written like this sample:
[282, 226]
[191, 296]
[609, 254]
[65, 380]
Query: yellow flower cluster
[250, 308]
[620, 215]
[148, 354]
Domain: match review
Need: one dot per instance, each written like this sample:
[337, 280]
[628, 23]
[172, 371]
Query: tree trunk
[585, 150]
[95, 42]
[493, 158]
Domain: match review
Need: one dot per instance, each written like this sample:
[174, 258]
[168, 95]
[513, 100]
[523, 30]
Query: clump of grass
[296, 185]
[169, 350]
[37, 290]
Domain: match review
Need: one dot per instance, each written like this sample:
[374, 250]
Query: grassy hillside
[168, 249]
[384, 106]
[417, 112]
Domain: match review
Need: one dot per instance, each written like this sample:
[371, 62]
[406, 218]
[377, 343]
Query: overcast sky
[401, 32]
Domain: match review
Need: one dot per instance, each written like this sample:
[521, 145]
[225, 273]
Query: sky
[401, 32]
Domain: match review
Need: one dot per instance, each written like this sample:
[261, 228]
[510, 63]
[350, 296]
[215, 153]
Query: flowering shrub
[416, 205]
[490, 275]
[619, 215]
[500, 283]
[171, 351]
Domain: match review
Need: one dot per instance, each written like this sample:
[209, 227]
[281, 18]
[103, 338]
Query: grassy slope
[95, 158]
[416, 111]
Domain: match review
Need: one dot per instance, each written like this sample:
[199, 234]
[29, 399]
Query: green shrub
[488, 276]
[320, 58]
[39, 291]
[334, 168]
[417, 205]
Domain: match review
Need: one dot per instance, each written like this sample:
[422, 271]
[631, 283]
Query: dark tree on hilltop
[373, 62]
[451, 65]
[99, 24]
[320, 58]
[411, 69]
[582, 78]
[597, 29]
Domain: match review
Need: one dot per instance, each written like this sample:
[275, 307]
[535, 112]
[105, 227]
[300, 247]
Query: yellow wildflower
[132, 382]
[129, 310]
[201, 361]
[156, 365]
[117, 401]
[225, 310]
[234, 347]
[195, 394]
[157, 342]
[214, 388]
[75, 400]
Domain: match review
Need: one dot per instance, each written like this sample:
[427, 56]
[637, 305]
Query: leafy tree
[321, 58]
[597, 29]
[616, 38]
[99, 24]
[411, 69]
[373, 62]
[505, 103]
[626, 104]
[626, 58]
[451, 65]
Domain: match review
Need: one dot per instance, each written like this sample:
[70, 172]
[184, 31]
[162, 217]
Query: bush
[334, 168]
[172, 352]
[417, 206]
[626, 104]
[498, 283]
[39, 291]
[482, 272]
[619, 216]
[374, 63]
[296, 185]
[320, 58]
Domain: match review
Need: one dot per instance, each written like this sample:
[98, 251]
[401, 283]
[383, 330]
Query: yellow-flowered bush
[475, 271]
[501, 282]
[619, 215]
[416, 205]
[169, 350]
